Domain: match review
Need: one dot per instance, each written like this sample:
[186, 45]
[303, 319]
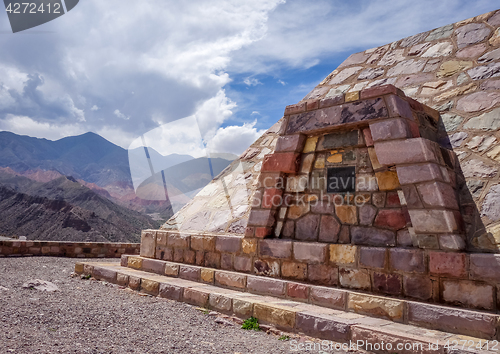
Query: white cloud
[26, 126]
[94, 108]
[250, 81]
[282, 82]
[120, 114]
[234, 139]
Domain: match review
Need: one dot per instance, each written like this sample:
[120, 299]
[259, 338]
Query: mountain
[65, 210]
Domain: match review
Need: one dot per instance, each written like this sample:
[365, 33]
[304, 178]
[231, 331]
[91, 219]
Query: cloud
[250, 81]
[282, 82]
[120, 115]
[27, 126]
[94, 108]
[234, 139]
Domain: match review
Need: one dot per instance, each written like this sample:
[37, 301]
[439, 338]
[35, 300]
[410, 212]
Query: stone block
[469, 294]
[275, 248]
[370, 236]
[154, 266]
[398, 107]
[290, 143]
[242, 308]
[232, 280]
[267, 267]
[294, 270]
[286, 162]
[295, 108]
[243, 264]
[220, 303]
[196, 296]
[178, 240]
[406, 260]
[323, 326]
[343, 254]
[150, 287]
[261, 217]
[172, 270]
[411, 197]
[207, 275]
[134, 262]
[390, 218]
[438, 194]
[393, 200]
[134, 283]
[414, 150]
[367, 214]
[322, 274]
[309, 252]
[249, 246]
[347, 214]
[272, 314]
[203, 243]
[306, 228]
[122, 279]
[164, 253]
[271, 180]
[297, 291]
[328, 297]
[387, 180]
[148, 243]
[373, 257]
[229, 244]
[418, 287]
[298, 210]
[108, 275]
[306, 163]
[226, 261]
[310, 144]
[390, 129]
[189, 272]
[433, 221]
[273, 287]
[354, 278]
[387, 283]
[161, 238]
[329, 228]
[419, 173]
[376, 306]
[379, 91]
[272, 198]
[331, 101]
[455, 320]
[447, 263]
[451, 242]
[485, 267]
[339, 140]
[368, 137]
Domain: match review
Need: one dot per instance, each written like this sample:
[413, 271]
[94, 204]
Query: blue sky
[122, 68]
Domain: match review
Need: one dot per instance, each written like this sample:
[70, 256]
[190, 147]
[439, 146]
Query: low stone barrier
[67, 249]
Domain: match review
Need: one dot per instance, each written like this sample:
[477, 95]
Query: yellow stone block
[320, 162]
[249, 246]
[344, 254]
[494, 154]
[452, 67]
[79, 268]
[347, 214]
[207, 275]
[495, 39]
[296, 211]
[374, 159]
[335, 156]
[134, 262]
[352, 96]
[387, 180]
[456, 92]
[310, 145]
[275, 315]
[150, 286]
[377, 306]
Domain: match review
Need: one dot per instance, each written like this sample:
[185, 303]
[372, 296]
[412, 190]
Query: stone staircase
[340, 315]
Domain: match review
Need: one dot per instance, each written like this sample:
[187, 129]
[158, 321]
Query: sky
[172, 71]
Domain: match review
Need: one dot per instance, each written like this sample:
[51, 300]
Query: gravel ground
[88, 316]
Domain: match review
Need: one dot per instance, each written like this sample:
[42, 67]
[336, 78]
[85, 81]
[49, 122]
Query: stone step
[356, 330]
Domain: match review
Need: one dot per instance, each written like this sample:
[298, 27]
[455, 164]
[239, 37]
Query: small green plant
[206, 312]
[251, 323]
[87, 276]
[284, 338]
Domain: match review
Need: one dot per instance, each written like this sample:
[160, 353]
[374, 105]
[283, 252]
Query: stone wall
[454, 278]
[454, 69]
[67, 249]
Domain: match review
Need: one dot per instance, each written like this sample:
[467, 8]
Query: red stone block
[414, 129]
[249, 231]
[295, 108]
[390, 218]
[415, 105]
[212, 260]
[272, 198]
[275, 248]
[263, 232]
[368, 137]
[331, 101]
[373, 257]
[322, 274]
[286, 162]
[189, 272]
[418, 287]
[310, 252]
[328, 297]
[267, 286]
[390, 129]
[438, 194]
[226, 261]
[387, 283]
[290, 143]
[419, 173]
[398, 107]
[229, 244]
[312, 104]
[298, 291]
[485, 266]
[243, 264]
[414, 150]
[451, 264]
[392, 200]
[271, 180]
[407, 260]
[379, 91]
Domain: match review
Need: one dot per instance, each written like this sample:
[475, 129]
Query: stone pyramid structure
[377, 194]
